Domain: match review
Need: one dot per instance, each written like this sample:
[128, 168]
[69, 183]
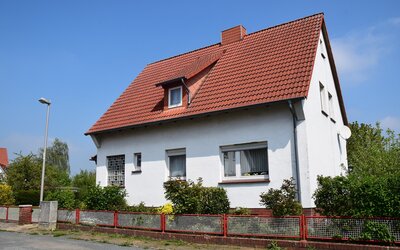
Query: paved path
[14, 241]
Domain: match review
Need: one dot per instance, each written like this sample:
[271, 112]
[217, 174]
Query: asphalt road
[14, 241]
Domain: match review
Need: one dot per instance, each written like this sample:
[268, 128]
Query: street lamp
[47, 102]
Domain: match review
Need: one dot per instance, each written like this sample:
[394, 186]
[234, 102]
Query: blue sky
[82, 54]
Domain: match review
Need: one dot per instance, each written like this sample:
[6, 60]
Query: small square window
[331, 109]
[175, 97]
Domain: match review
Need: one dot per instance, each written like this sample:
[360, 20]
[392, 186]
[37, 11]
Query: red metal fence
[9, 213]
[294, 227]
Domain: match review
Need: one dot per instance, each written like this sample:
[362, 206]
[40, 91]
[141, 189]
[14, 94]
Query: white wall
[202, 139]
[323, 151]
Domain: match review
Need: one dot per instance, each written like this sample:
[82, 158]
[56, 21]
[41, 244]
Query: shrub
[192, 198]
[65, 198]
[27, 197]
[106, 198]
[167, 208]
[6, 195]
[282, 201]
[240, 211]
[376, 231]
[141, 207]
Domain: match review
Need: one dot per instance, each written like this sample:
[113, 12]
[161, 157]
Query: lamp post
[47, 102]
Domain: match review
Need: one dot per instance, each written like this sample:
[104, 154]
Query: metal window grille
[264, 226]
[194, 223]
[137, 220]
[66, 216]
[101, 218]
[116, 170]
[350, 228]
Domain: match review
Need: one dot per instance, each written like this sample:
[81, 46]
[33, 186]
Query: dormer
[176, 93]
[183, 86]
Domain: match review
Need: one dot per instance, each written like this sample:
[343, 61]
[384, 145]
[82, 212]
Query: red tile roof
[270, 65]
[3, 157]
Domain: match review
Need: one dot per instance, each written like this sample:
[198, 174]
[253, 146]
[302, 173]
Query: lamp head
[44, 101]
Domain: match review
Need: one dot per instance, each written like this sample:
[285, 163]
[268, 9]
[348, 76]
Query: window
[331, 110]
[323, 99]
[137, 158]
[177, 163]
[321, 44]
[116, 170]
[245, 160]
[175, 97]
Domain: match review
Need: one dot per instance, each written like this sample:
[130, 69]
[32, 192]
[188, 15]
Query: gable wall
[326, 151]
[202, 139]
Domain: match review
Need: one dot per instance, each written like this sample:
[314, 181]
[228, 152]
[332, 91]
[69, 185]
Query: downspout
[187, 89]
[296, 153]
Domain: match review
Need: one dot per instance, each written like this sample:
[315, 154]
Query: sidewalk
[14, 227]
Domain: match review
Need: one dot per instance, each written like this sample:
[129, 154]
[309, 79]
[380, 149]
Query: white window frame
[322, 95]
[122, 170]
[176, 152]
[331, 108]
[169, 97]
[135, 162]
[237, 148]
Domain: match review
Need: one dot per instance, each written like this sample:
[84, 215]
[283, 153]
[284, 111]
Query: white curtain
[229, 163]
[254, 161]
[177, 165]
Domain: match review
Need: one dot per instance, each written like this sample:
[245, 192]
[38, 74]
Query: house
[243, 114]
[3, 162]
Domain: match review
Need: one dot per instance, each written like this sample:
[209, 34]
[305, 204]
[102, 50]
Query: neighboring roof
[3, 157]
[270, 65]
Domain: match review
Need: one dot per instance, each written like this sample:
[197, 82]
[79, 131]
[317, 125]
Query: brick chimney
[233, 34]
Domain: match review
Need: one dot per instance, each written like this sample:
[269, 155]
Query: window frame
[175, 152]
[137, 167]
[169, 97]
[331, 107]
[237, 148]
[322, 96]
[121, 170]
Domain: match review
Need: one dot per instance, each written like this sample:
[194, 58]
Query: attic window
[321, 44]
[175, 97]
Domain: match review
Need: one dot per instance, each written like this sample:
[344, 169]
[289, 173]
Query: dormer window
[175, 97]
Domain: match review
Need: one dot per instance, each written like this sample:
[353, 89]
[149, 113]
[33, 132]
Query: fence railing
[9, 213]
[294, 227]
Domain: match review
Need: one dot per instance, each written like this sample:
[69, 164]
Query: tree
[372, 188]
[83, 181]
[57, 155]
[24, 173]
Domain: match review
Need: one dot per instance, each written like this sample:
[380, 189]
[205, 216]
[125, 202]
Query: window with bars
[116, 170]
[245, 160]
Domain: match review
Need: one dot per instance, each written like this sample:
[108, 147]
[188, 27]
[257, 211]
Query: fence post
[225, 225]
[7, 214]
[162, 223]
[77, 216]
[115, 219]
[303, 227]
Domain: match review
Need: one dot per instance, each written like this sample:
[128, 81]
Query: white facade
[319, 148]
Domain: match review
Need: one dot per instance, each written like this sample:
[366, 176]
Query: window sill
[244, 181]
[136, 172]
[324, 113]
[333, 120]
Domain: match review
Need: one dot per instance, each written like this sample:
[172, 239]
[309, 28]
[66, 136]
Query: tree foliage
[57, 155]
[83, 182]
[6, 195]
[106, 198]
[282, 201]
[189, 197]
[372, 188]
[65, 198]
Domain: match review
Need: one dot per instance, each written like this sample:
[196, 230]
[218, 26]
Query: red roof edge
[3, 157]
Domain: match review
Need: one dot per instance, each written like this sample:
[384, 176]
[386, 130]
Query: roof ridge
[255, 32]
